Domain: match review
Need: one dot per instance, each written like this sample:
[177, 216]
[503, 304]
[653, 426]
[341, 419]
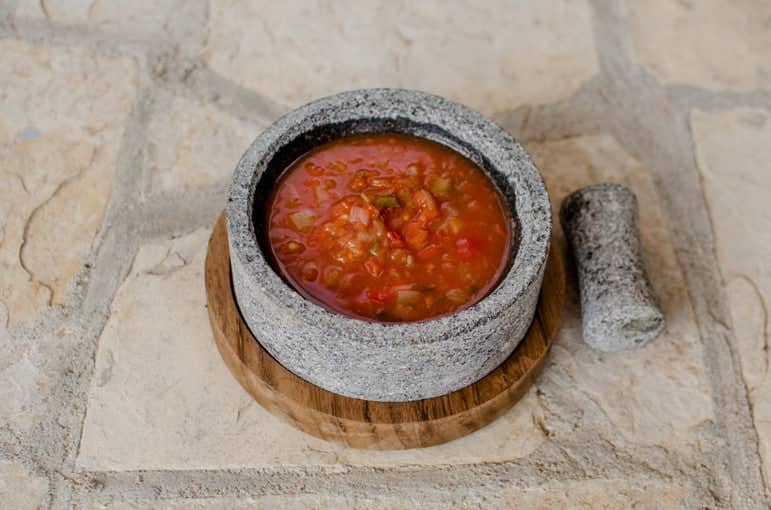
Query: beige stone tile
[20, 489]
[733, 154]
[713, 44]
[490, 55]
[605, 494]
[193, 145]
[145, 16]
[62, 115]
[21, 402]
[656, 395]
[161, 397]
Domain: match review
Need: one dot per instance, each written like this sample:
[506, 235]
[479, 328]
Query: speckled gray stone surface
[618, 306]
[376, 361]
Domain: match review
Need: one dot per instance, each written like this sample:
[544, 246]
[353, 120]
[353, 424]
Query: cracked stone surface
[144, 16]
[146, 414]
[64, 111]
[193, 145]
[487, 57]
[120, 123]
[634, 406]
[709, 43]
[20, 489]
[733, 153]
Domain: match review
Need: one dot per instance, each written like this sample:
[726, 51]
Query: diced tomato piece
[394, 239]
[396, 221]
[310, 272]
[428, 252]
[463, 247]
[448, 267]
[399, 256]
[415, 236]
[357, 184]
[340, 208]
[427, 204]
[373, 267]
[381, 295]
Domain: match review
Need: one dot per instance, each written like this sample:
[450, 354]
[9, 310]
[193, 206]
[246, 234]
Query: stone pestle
[618, 307]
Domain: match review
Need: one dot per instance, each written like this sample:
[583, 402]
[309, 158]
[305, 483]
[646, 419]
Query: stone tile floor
[120, 123]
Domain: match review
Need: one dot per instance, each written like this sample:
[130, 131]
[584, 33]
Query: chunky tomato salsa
[388, 227]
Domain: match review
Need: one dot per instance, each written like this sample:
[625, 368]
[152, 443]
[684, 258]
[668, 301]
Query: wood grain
[365, 424]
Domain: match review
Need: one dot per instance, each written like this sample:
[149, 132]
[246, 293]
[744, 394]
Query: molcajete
[393, 361]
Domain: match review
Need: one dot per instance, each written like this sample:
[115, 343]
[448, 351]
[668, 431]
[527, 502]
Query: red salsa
[388, 227]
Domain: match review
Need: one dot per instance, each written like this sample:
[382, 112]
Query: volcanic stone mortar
[618, 307]
[387, 361]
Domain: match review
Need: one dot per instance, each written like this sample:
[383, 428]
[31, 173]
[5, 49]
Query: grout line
[555, 466]
[239, 101]
[689, 97]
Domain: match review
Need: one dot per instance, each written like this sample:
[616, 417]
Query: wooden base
[365, 424]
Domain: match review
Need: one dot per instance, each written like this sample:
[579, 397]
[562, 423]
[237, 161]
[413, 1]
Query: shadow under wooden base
[366, 424]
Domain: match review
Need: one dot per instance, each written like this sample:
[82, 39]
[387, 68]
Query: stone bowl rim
[529, 190]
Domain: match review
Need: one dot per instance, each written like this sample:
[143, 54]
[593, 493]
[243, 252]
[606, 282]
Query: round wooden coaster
[366, 424]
